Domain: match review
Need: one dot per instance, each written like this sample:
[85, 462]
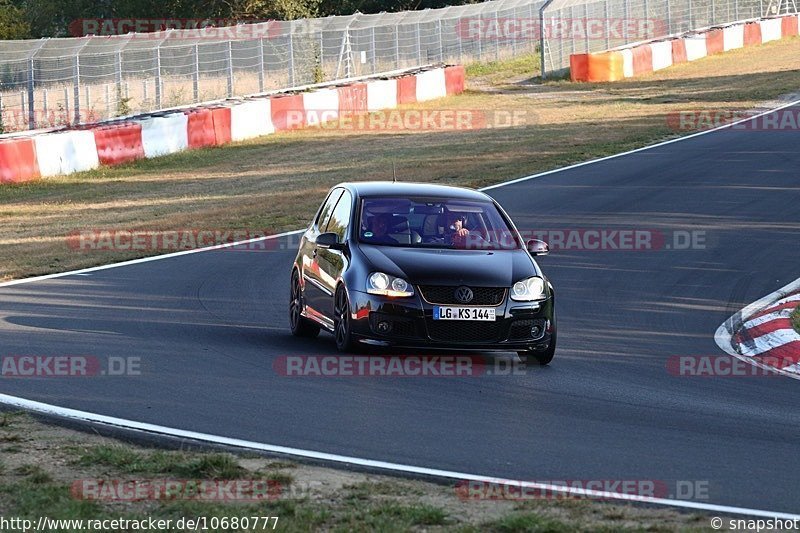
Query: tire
[300, 326]
[543, 357]
[341, 321]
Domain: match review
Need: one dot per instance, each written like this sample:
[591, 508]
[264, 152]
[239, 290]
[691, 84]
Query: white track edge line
[73, 414]
[81, 415]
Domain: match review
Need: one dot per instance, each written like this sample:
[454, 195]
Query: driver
[378, 232]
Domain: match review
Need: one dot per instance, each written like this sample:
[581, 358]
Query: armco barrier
[113, 143]
[18, 160]
[353, 98]
[431, 84]
[222, 124]
[287, 112]
[679, 51]
[752, 34]
[607, 66]
[200, 128]
[733, 37]
[771, 30]
[407, 89]
[66, 152]
[642, 59]
[715, 41]
[163, 135]
[381, 94]
[789, 26]
[661, 54]
[454, 79]
[321, 106]
[118, 143]
[251, 118]
[655, 55]
[695, 47]
[627, 62]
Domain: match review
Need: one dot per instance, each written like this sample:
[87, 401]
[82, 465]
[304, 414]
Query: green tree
[13, 24]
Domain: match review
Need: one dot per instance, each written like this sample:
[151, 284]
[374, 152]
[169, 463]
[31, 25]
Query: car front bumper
[411, 325]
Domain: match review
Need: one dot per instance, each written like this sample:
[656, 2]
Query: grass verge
[275, 183]
[795, 316]
[41, 479]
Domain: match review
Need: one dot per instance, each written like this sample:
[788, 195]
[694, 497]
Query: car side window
[340, 219]
[327, 209]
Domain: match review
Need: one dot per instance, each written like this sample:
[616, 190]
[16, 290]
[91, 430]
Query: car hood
[430, 266]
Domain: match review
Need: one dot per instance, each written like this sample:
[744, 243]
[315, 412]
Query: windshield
[434, 223]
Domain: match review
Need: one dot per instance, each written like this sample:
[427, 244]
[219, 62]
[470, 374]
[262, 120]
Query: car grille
[446, 295]
[463, 331]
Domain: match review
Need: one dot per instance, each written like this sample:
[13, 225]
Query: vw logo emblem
[464, 295]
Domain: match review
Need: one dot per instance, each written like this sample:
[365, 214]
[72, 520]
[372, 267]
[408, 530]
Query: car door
[316, 293]
[332, 263]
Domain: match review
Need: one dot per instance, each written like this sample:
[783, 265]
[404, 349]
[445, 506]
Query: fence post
[586, 24]
[542, 37]
[419, 45]
[291, 57]
[31, 111]
[608, 29]
[669, 18]
[66, 105]
[625, 33]
[691, 16]
[441, 40]
[118, 76]
[374, 53]
[230, 69]
[397, 46]
[76, 97]
[196, 74]
[158, 77]
[497, 41]
[261, 64]
[459, 30]
[480, 36]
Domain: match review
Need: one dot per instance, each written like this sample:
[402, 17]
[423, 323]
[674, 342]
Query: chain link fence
[55, 82]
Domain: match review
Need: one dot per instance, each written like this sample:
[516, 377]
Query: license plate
[464, 313]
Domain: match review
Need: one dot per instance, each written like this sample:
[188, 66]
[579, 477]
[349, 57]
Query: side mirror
[329, 240]
[537, 247]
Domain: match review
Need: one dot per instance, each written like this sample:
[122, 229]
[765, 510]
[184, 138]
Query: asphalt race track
[208, 327]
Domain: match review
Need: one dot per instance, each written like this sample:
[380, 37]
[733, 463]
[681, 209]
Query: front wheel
[301, 326]
[341, 321]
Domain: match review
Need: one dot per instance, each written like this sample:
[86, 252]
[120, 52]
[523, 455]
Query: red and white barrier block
[620, 63]
[763, 335]
[113, 143]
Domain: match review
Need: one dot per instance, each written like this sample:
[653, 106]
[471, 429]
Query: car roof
[388, 188]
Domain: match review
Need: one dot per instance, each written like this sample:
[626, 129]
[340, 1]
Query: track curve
[208, 327]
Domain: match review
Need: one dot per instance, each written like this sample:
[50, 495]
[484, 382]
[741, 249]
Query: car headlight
[386, 285]
[528, 290]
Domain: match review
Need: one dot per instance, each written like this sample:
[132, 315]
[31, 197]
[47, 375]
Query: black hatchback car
[421, 266]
